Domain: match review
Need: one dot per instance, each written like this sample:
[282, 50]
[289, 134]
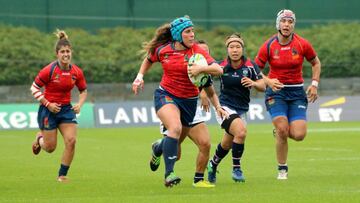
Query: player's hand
[137, 84]
[54, 107]
[205, 106]
[312, 93]
[247, 82]
[222, 113]
[194, 70]
[275, 84]
[76, 108]
[205, 103]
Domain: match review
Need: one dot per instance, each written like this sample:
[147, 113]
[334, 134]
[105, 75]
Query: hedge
[112, 55]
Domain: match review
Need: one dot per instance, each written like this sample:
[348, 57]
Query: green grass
[111, 165]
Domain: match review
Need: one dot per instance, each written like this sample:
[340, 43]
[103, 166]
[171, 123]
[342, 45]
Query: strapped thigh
[227, 122]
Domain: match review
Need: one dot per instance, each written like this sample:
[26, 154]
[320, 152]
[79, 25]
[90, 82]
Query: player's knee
[282, 132]
[204, 145]
[70, 142]
[240, 134]
[298, 137]
[49, 147]
[226, 145]
[175, 130]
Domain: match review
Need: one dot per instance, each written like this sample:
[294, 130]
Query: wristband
[47, 104]
[315, 83]
[140, 76]
[218, 106]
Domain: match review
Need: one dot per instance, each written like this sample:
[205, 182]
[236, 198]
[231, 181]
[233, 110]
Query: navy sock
[237, 151]
[283, 167]
[158, 149]
[63, 170]
[198, 177]
[220, 153]
[170, 150]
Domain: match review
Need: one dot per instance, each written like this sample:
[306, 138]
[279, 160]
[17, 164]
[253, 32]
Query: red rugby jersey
[175, 78]
[59, 83]
[286, 61]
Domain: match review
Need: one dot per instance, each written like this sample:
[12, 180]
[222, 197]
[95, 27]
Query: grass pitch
[111, 165]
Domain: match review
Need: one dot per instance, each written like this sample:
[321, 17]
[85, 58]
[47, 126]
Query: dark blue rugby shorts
[290, 102]
[50, 121]
[186, 106]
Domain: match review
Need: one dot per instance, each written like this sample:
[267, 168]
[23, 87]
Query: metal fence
[47, 15]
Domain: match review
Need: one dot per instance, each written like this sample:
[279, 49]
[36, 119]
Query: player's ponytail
[63, 39]
[162, 36]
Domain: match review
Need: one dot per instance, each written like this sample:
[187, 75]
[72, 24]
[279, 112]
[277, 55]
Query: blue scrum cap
[177, 26]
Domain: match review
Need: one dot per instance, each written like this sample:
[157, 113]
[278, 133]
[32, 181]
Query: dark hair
[201, 41]
[63, 40]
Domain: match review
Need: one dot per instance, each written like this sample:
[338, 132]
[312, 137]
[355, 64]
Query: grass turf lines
[112, 165]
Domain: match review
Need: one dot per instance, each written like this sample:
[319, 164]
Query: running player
[176, 98]
[198, 133]
[285, 98]
[240, 75]
[55, 111]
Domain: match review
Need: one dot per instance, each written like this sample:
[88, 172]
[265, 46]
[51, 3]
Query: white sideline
[334, 129]
[326, 130]
[336, 159]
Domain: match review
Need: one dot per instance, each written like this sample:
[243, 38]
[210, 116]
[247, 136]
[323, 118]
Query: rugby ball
[201, 78]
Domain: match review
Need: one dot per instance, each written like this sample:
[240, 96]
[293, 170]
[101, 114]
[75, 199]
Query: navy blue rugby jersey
[208, 83]
[232, 93]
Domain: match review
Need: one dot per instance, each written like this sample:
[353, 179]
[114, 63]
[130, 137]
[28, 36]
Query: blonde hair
[63, 39]
[162, 36]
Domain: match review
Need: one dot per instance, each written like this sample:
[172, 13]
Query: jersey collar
[228, 63]
[58, 65]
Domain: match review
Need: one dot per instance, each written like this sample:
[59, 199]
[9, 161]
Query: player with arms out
[285, 98]
[176, 98]
[55, 111]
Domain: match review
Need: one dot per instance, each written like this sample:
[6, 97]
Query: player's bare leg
[298, 129]
[46, 140]
[238, 131]
[199, 134]
[282, 134]
[169, 114]
[69, 132]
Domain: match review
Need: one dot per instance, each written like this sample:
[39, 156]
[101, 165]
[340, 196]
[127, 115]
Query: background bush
[112, 55]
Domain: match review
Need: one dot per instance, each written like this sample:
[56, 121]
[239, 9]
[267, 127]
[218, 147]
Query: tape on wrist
[46, 103]
[140, 76]
[315, 83]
